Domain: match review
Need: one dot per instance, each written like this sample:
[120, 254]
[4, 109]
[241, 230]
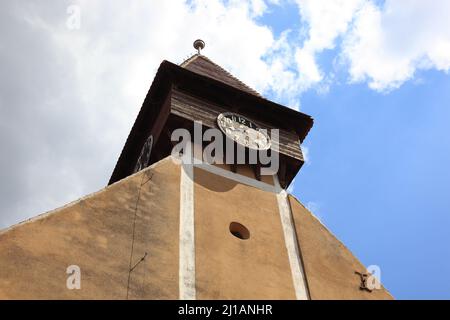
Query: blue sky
[373, 74]
[379, 179]
[378, 174]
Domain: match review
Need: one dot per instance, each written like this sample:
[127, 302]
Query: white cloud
[292, 66]
[326, 20]
[291, 187]
[71, 96]
[308, 69]
[147, 33]
[315, 209]
[387, 45]
[383, 44]
[306, 154]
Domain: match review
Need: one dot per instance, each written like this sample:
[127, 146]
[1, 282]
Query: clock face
[144, 156]
[243, 131]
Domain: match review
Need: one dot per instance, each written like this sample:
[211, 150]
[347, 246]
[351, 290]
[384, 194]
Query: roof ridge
[189, 60]
[186, 62]
[228, 73]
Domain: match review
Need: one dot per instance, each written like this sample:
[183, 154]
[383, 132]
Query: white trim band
[187, 235]
[237, 177]
[187, 290]
[298, 275]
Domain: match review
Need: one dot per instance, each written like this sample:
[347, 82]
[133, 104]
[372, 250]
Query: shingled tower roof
[200, 64]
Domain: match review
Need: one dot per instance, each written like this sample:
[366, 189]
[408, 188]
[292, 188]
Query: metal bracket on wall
[363, 277]
[140, 260]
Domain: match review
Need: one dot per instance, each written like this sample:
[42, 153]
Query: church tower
[196, 208]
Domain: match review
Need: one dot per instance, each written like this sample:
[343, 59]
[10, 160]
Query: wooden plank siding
[202, 65]
[196, 109]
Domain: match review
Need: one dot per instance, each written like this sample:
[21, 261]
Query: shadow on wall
[222, 185]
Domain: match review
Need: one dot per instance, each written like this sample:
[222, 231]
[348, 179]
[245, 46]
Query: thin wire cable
[130, 269]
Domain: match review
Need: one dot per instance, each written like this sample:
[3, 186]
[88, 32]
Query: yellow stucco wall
[96, 233]
[329, 266]
[228, 267]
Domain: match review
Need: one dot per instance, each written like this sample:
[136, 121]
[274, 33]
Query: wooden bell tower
[200, 90]
[246, 204]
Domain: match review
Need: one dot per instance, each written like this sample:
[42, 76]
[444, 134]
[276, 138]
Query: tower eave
[170, 75]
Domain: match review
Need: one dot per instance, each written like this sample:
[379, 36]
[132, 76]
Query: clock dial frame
[144, 157]
[243, 131]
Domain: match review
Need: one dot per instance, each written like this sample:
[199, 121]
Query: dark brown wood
[232, 98]
[193, 108]
[282, 173]
[162, 117]
[145, 121]
[202, 65]
[257, 170]
[200, 94]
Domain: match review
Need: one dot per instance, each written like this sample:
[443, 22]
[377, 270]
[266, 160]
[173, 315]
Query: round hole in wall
[239, 231]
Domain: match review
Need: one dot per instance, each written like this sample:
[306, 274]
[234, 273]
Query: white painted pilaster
[187, 235]
[298, 274]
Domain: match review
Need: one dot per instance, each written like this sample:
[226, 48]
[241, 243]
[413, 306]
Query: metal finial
[199, 45]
